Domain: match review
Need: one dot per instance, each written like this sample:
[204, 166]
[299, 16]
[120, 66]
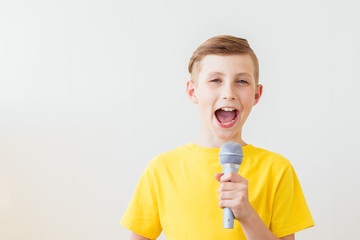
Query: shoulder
[168, 157]
[269, 158]
[271, 167]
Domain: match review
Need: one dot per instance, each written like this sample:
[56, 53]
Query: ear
[191, 91]
[258, 94]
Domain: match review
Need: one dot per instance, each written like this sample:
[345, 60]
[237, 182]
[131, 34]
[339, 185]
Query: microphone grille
[231, 152]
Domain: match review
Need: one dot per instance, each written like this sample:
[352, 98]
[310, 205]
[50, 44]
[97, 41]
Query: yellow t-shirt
[178, 194]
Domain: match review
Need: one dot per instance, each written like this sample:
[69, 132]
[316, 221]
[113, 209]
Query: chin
[226, 134]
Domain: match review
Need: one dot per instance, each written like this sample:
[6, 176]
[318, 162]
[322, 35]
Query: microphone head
[231, 152]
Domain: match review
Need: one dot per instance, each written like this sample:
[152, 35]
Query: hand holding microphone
[233, 190]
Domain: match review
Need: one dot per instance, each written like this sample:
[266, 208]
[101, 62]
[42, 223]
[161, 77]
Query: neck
[215, 139]
[215, 142]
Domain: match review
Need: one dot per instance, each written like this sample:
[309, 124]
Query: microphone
[230, 157]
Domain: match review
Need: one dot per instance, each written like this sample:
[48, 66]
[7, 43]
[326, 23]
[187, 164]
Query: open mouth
[226, 116]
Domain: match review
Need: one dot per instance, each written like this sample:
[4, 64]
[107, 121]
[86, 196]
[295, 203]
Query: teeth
[228, 109]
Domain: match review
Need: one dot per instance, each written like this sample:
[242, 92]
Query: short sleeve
[142, 215]
[290, 212]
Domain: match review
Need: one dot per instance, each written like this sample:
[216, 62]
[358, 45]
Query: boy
[177, 192]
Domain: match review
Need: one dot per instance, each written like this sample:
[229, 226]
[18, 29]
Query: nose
[228, 92]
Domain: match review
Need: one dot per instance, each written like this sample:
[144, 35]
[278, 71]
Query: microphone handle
[228, 216]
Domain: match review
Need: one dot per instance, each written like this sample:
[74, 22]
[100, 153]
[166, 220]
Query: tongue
[225, 116]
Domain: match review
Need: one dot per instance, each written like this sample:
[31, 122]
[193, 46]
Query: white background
[90, 91]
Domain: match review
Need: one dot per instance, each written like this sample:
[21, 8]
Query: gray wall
[90, 91]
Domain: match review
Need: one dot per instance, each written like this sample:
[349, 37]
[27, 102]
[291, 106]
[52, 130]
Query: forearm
[135, 236]
[255, 229]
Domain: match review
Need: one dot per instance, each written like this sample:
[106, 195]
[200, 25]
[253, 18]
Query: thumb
[218, 176]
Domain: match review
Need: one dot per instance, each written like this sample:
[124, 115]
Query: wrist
[250, 216]
[255, 228]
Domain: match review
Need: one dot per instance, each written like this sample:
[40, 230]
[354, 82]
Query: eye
[215, 80]
[242, 81]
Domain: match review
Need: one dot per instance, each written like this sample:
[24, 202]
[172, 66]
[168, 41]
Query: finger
[232, 177]
[227, 203]
[218, 176]
[228, 195]
[230, 186]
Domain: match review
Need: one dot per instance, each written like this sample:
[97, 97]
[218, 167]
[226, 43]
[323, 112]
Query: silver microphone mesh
[231, 152]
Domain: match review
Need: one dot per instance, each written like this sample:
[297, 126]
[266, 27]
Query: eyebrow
[222, 74]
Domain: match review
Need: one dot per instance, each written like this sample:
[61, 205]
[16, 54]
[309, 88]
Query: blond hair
[223, 45]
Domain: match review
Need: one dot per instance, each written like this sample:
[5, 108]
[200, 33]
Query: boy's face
[225, 91]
